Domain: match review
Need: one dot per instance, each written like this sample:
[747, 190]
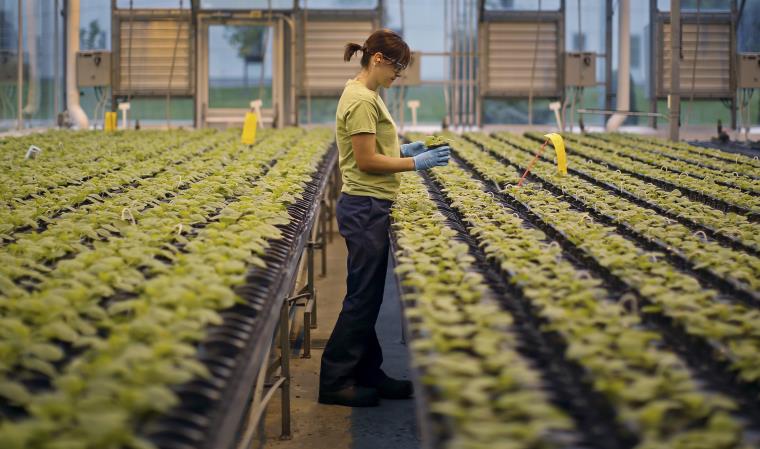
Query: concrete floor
[317, 426]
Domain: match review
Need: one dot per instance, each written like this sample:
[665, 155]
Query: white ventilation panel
[510, 48]
[325, 71]
[712, 76]
[145, 63]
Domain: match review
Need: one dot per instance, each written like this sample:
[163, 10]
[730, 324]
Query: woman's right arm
[368, 160]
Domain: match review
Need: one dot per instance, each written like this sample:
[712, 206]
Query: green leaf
[14, 392]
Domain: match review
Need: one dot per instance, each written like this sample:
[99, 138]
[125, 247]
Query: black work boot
[353, 396]
[390, 388]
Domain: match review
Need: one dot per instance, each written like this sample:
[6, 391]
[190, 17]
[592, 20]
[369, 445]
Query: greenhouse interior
[373, 224]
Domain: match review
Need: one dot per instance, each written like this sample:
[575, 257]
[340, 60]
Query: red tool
[538, 155]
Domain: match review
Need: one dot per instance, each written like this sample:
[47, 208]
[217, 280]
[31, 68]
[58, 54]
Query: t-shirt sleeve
[361, 117]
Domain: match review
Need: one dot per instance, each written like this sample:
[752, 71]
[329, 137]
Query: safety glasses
[397, 66]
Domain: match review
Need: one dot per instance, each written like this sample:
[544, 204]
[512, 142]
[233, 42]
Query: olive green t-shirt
[361, 110]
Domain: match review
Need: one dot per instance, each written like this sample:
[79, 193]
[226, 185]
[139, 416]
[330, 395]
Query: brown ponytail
[351, 50]
[384, 41]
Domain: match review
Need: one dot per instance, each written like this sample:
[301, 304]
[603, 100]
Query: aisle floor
[318, 426]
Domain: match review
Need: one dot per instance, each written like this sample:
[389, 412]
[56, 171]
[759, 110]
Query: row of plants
[73, 157]
[733, 330]
[33, 254]
[684, 148]
[740, 269]
[652, 392]
[737, 180]
[729, 227]
[660, 147]
[144, 342]
[708, 189]
[71, 301]
[38, 210]
[461, 342]
[59, 146]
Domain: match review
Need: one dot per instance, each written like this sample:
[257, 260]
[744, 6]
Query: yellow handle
[559, 147]
[249, 129]
[110, 122]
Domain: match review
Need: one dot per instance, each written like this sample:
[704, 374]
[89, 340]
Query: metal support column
[652, 63]
[323, 235]
[312, 289]
[56, 58]
[285, 373]
[20, 68]
[608, 55]
[733, 64]
[675, 72]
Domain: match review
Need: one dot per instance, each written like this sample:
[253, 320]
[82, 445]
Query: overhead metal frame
[485, 20]
[661, 19]
[303, 19]
[462, 89]
[489, 17]
[688, 18]
[283, 47]
[120, 16]
[303, 16]
[282, 109]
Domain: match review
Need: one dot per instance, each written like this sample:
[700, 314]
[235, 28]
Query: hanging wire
[693, 65]
[171, 71]
[533, 63]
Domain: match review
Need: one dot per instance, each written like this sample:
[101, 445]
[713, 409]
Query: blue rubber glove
[437, 157]
[412, 149]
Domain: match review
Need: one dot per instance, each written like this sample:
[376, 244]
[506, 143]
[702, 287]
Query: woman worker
[370, 158]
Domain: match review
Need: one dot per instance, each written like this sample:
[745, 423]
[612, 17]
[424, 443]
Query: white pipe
[76, 112]
[624, 65]
[32, 96]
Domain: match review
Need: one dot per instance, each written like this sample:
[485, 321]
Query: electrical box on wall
[411, 76]
[749, 71]
[8, 66]
[93, 68]
[580, 69]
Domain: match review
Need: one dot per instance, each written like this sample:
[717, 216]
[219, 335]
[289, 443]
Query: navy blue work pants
[352, 355]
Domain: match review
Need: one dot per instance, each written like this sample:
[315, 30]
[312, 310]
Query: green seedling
[435, 142]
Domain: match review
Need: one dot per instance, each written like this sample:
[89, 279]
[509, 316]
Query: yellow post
[109, 124]
[559, 147]
[249, 129]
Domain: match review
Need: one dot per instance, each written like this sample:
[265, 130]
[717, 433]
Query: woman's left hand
[412, 149]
